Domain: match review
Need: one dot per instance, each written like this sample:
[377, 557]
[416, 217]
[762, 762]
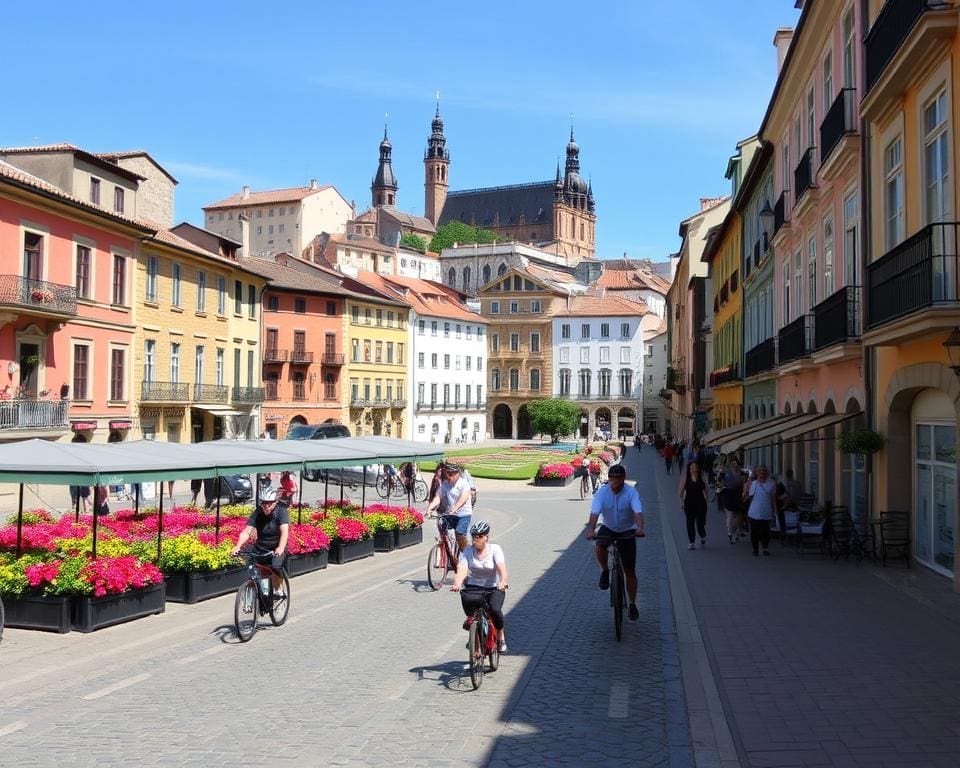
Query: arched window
[466, 279]
[486, 274]
[564, 382]
[452, 277]
[501, 269]
[443, 173]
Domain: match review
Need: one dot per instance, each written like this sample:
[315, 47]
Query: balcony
[780, 214]
[398, 402]
[906, 37]
[422, 405]
[301, 357]
[332, 358]
[803, 180]
[725, 375]
[724, 293]
[914, 287]
[31, 415]
[795, 339]
[675, 380]
[761, 358]
[665, 394]
[836, 319]
[839, 142]
[210, 393]
[271, 355]
[247, 395]
[164, 391]
[38, 297]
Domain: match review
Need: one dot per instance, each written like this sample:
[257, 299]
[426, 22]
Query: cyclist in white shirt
[619, 506]
[482, 575]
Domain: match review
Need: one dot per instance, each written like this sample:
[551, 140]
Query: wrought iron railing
[780, 215]
[762, 357]
[169, 391]
[247, 395]
[206, 393]
[803, 175]
[40, 295]
[301, 357]
[840, 120]
[725, 375]
[332, 358]
[837, 318]
[34, 414]
[889, 30]
[272, 355]
[919, 273]
[795, 339]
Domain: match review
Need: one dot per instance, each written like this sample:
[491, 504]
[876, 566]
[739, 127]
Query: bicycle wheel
[494, 653]
[617, 599]
[383, 486]
[397, 490]
[420, 491]
[437, 567]
[245, 610]
[280, 606]
[476, 654]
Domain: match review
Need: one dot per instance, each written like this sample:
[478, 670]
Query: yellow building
[377, 331]
[197, 339]
[912, 304]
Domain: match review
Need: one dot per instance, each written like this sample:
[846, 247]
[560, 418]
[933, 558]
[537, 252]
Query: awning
[217, 410]
[773, 430]
[80, 426]
[723, 437]
[827, 420]
[122, 424]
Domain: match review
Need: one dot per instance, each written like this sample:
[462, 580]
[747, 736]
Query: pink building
[66, 322]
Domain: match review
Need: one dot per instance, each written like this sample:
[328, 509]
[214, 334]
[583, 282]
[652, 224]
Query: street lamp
[953, 350]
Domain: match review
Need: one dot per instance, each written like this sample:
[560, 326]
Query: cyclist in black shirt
[272, 525]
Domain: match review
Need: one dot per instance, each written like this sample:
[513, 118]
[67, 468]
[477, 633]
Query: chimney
[245, 193]
[244, 232]
[781, 40]
[313, 184]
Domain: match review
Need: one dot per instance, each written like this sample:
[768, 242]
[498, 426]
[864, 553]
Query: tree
[553, 417]
[458, 232]
[413, 241]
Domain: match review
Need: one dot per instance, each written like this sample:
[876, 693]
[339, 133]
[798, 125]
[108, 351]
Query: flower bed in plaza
[513, 463]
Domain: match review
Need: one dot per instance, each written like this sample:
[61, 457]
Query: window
[828, 256]
[174, 363]
[479, 395]
[479, 363]
[446, 330]
[299, 386]
[604, 354]
[466, 280]
[785, 168]
[851, 245]
[237, 297]
[936, 160]
[198, 365]
[421, 327]
[893, 193]
[236, 368]
[331, 308]
[535, 379]
[390, 353]
[378, 351]
[300, 305]
[786, 291]
[535, 306]
[219, 367]
[433, 395]
[847, 35]
[273, 303]
[514, 379]
[811, 115]
[514, 307]
[399, 353]
[270, 213]
[585, 331]
[605, 376]
[329, 383]
[367, 316]
[827, 82]
[494, 307]
[446, 394]
[250, 368]
[514, 342]
[433, 359]
[355, 313]
[149, 360]
[221, 295]
[95, 191]
[626, 382]
[252, 302]
[32, 256]
[83, 272]
[299, 345]
[565, 331]
[446, 361]
[119, 280]
[584, 354]
[421, 359]
[81, 371]
[584, 382]
[604, 330]
[380, 317]
[494, 342]
[535, 342]
[625, 354]
[564, 381]
[177, 277]
[280, 231]
[459, 330]
[812, 271]
[201, 292]
[495, 379]
[452, 277]
[469, 362]
[118, 199]
[564, 354]
[355, 350]
[118, 366]
[624, 330]
[798, 282]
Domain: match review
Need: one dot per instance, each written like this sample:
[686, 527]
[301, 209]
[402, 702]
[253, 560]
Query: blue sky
[274, 94]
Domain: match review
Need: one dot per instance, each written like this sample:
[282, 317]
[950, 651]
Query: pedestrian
[81, 492]
[762, 493]
[196, 484]
[730, 498]
[435, 482]
[100, 506]
[288, 488]
[169, 490]
[693, 497]
[668, 456]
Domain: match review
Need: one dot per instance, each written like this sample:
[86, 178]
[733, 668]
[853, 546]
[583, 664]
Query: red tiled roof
[90, 157]
[125, 154]
[425, 297]
[603, 306]
[360, 241]
[174, 240]
[290, 195]
[626, 280]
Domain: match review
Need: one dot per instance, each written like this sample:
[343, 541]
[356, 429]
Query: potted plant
[860, 441]
[198, 571]
[308, 549]
[350, 538]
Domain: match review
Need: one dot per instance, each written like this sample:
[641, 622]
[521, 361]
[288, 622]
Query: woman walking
[763, 491]
[693, 496]
[731, 499]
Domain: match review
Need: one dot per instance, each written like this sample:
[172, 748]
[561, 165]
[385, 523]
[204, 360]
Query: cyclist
[271, 523]
[288, 488]
[453, 499]
[408, 473]
[619, 504]
[482, 574]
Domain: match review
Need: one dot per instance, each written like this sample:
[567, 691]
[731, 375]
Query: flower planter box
[194, 586]
[385, 541]
[93, 613]
[307, 562]
[555, 482]
[51, 614]
[409, 537]
[345, 551]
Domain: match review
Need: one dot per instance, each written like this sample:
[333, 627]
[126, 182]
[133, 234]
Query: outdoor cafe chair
[844, 540]
[894, 528]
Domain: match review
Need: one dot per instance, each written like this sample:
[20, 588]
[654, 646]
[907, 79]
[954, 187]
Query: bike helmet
[481, 528]
[268, 494]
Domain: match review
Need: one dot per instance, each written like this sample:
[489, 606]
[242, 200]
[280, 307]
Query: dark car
[316, 432]
[235, 488]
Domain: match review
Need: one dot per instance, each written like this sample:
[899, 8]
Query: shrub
[381, 521]
[306, 538]
[554, 471]
[32, 516]
[188, 553]
[344, 528]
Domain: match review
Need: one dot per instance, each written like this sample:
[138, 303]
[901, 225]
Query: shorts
[265, 556]
[626, 544]
[196, 484]
[459, 523]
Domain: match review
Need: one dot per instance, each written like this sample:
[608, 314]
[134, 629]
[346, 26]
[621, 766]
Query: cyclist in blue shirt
[618, 505]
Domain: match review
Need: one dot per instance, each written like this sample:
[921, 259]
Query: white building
[656, 357]
[425, 266]
[279, 220]
[469, 267]
[599, 363]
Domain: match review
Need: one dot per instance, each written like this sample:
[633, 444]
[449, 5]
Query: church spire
[384, 187]
[436, 164]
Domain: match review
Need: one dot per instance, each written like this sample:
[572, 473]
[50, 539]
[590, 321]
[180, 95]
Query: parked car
[351, 476]
[320, 432]
[236, 488]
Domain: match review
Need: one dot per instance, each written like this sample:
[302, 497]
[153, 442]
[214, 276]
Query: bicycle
[389, 484]
[483, 642]
[618, 588]
[257, 597]
[584, 485]
[443, 557]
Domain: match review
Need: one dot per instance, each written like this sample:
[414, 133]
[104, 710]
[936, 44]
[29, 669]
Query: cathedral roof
[409, 220]
[484, 207]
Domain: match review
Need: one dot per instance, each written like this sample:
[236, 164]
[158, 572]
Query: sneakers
[604, 579]
[502, 647]
[703, 543]
[634, 612]
[691, 545]
[766, 553]
[468, 623]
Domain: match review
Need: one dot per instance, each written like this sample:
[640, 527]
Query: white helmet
[268, 494]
